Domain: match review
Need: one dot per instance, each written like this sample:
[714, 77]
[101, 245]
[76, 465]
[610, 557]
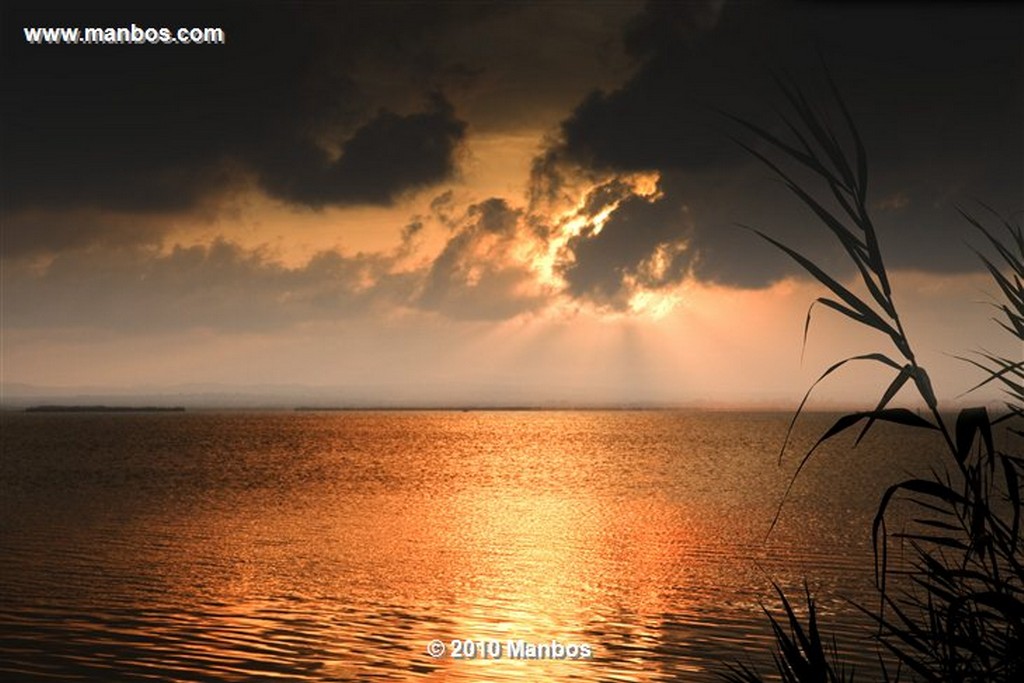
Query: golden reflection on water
[337, 546]
[521, 577]
[561, 567]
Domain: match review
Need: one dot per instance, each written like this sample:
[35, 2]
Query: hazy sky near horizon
[481, 201]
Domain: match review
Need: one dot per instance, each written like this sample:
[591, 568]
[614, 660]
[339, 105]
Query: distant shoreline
[104, 409]
[374, 408]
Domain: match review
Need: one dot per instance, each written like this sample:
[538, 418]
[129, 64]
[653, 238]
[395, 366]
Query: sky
[487, 203]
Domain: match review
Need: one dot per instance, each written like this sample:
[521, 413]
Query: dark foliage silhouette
[955, 611]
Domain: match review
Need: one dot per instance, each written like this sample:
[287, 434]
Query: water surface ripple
[335, 546]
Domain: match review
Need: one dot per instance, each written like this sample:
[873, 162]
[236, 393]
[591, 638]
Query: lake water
[336, 546]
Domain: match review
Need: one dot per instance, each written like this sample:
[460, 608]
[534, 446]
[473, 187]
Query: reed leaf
[820, 131]
[860, 152]
[897, 383]
[802, 656]
[877, 357]
[806, 159]
[946, 541]
[958, 613]
[860, 312]
[1006, 367]
[928, 487]
[895, 415]
[924, 387]
[970, 422]
[1013, 492]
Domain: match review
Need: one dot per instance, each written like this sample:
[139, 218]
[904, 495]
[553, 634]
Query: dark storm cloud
[663, 116]
[156, 128]
[937, 91]
[387, 156]
[477, 275]
[607, 266]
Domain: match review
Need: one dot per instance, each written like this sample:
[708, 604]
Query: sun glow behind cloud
[510, 239]
[504, 326]
[687, 342]
[529, 255]
[579, 221]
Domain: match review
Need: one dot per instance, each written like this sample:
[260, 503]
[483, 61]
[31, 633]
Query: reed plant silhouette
[955, 612]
